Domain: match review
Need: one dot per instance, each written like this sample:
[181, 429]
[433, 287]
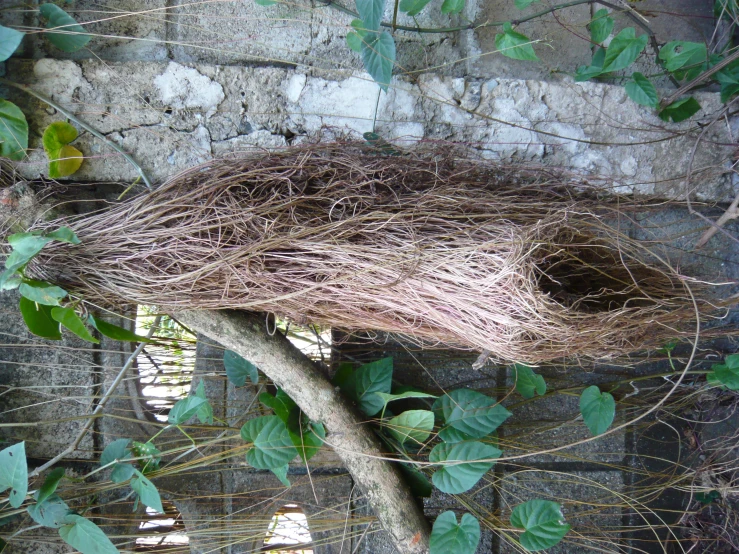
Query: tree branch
[356, 444]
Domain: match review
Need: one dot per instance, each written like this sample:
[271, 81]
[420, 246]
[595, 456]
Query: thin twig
[87, 127]
[101, 405]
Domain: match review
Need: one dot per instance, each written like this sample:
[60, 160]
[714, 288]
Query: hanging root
[446, 251]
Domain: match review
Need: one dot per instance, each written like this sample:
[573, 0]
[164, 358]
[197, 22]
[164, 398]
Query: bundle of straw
[445, 251]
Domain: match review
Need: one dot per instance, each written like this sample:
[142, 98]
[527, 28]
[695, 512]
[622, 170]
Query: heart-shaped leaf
[365, 382]
[412, 426]
[85, 536]
[184, 409]
[273, 446]
[452, 6]
[14, 473]
[147, 492]
[528, 383]
[685, 59]
[281, 474]
[69, 35]
[623, 50]
[50, 484]
[238, 369]
[38, 319]
[116, 450]
[378, 55]
[471, 412]
[455, 477]
[514, 45]
[13, 132]
[642, 91]
[543, 523]
[413, 7]
[41, 292]
[69, 319]
[448, 537]
[50, 512]
[598, 409]
[10, 39]
[371, 12]
[281, 404]
[205, 412]
[727, 374]
[601, 26]
[64, 159]
[308, 441]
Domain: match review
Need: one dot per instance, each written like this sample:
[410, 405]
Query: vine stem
[101, 405]
[87, 127]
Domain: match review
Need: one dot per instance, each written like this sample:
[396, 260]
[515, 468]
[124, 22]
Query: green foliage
[50, 512]
[417, 480]
[205, 413]
[514, 45]
[686, 60]
[238, 369]
[543, 523]
[449, 537]
[387, 398]
[528, 383]
[186, 408]
[598, 409]
[586, 72]
[378, 55]
[70, 36]
[281, 404]
[371, 12]
[452, 6]
[13, 131]
[50, 484]
[456, 477]
[37, 318]
[363, 385]
[85, 536]
[64, 160]
[149, 454]
[623, 50]
[307, 436]
[14, 473]
[601, 26]
[71, 321]
[354, 38]
[726, 374]
[272, 445]
[471, 412]
[10, 39]
[707, 497]
[114, 331]
[41, 292]
[413, 7]
[413, 426]
[523, 4]
[680, 110]
[266, 2]
[642, 91]
[147, 492]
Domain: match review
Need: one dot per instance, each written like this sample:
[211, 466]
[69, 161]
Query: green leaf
[64, 160]
[528, 383]
[116, 450]
[414, 426]
[184, 409]
[452, 6]
[147, 492]
[598, 409]
[732, 361]
[64, 234]
[707, 498]
[38, 319]
[50, 512]
[85, 536]
[114, 332]
[364, 384]
[10, 39]
[273, 446]
[282, 405]
[523, 4]
[726, 375]
[41, 292]
[642, 91]
[448, 537]
[281, 473]
[678, 54]
[309, 441]
[601, 26]
[680, 110]
[543, 523]
[50, 484]
[417, 480]
[450, 435]
[371, 12]
[623, 50]
[413, 7]
[10, 279]
[378, 56]
[69, 319]
[354, 41]
[150, 454]
[713, 381]
[70, 36]
[13, 132]
[205, 412]
[387, 398]
[14, 473]
[471, 412]
[238, 369]
[122, 473]
[345, 370]
[514, 45]
[457, 478]
[668, 347]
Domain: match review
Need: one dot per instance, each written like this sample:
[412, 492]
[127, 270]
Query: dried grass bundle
[447, 251]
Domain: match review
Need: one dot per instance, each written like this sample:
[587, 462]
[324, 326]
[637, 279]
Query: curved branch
[358, 447]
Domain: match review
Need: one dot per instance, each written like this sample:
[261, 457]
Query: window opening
[288, 532]
[162, 532]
